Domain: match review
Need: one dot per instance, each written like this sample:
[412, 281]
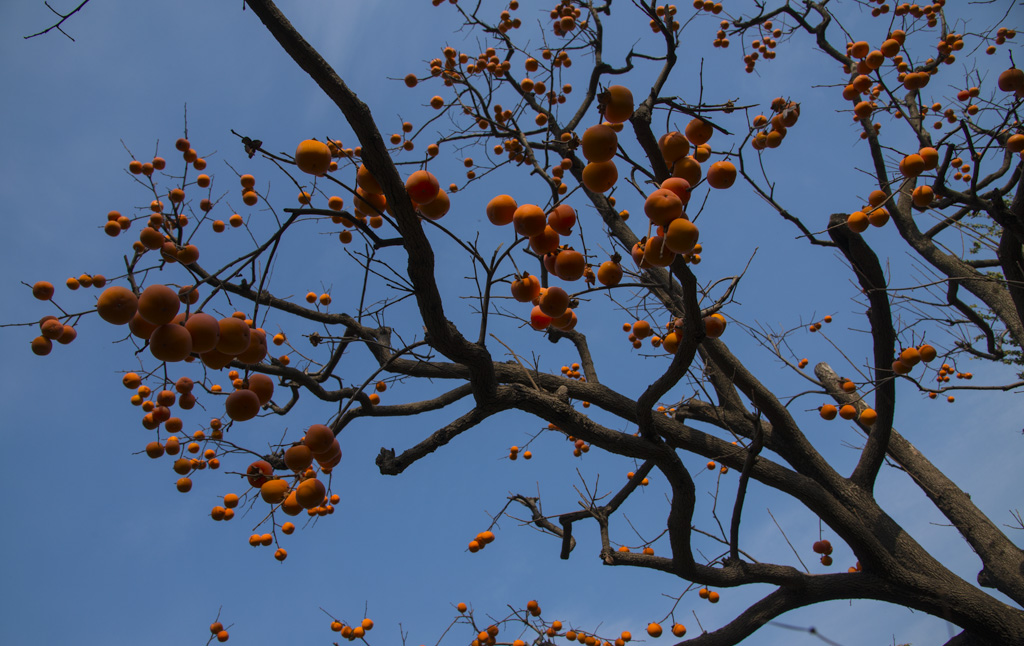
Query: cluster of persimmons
[170, 322]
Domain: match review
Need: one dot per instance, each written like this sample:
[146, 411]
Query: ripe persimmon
[930, 157]
[310, 493]
[609, 273]
[858, 222]
[721, 174]
[298, 457]
[714, 325]
[554, 302]
[912, 165]
[204, 330]
[600, 177]
[679, 186]
[274, 491]
[263, 386]
[1011, 80]
[68, 335]
[182, 466]
[529, 220]
[688, 169]
[901, 368]
[51, 328]
[188, 294]
[242, 405]
[878, 217]
[313, 157]
[329, 458]
[526, 288]
[673, 146]
[501, 210]
[910, 356]
[151, 238]
[569, 265]
[436, 208]
[545, 242]
[290, 505]
[566, 321]
[41, 346]
[927, 353]
[923, 196]
[698, 131]
[663, 206]
[257, 349]
[538, 321]
[657, 253]
[618, 106]
[158, 304]
[681, 235]
[422, 187]
[318, 438]
[234, 336]
[642, 329]
[170, 342]
[599, 143]
[562, 219]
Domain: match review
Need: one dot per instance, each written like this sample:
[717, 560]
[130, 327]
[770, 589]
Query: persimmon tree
[594, 169]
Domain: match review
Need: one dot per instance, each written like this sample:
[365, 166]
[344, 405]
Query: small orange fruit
[116, 305]
[242, 405]
[313, 157]
[619, 105]
[501, 210]
[698, 131]
[600, 177]
[673, 146]
[528, 220]
[722, 174]
[599, 143]
[422, 186]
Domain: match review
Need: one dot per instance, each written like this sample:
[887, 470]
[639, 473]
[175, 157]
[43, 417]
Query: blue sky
[100, 548]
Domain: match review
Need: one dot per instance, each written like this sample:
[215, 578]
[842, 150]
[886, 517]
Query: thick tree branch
[442, 334]
[1003, 561]
[872, 282]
